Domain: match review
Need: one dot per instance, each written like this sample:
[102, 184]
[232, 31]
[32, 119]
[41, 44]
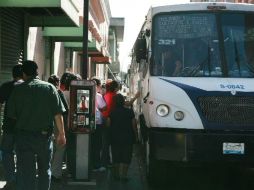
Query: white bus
[196, 104]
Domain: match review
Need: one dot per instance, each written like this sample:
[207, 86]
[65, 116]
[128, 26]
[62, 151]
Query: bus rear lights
[179, 115]
[162, 110]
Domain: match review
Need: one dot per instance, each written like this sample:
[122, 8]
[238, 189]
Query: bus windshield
[203, 45]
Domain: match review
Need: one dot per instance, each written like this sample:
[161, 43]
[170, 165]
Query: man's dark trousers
[29, 144]
[7, 148]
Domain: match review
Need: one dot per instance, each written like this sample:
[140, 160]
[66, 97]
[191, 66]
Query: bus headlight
[162, 110]
[179, 115]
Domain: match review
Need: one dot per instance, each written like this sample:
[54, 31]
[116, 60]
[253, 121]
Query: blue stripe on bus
[194, 93]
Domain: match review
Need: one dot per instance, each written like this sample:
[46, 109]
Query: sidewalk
[101, 180]
[104, 181]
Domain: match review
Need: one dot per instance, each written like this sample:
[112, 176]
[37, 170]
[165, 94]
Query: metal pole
[84, 65]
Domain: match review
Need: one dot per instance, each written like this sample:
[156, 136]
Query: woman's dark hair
[54, 79]
[97, 81]
[119, 100]
[66, 79]
[113, 86]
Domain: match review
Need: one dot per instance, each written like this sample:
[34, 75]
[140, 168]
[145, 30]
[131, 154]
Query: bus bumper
[200, 146]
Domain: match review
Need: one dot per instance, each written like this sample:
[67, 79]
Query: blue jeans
[31, 148]
[7, 147]
[105, 156]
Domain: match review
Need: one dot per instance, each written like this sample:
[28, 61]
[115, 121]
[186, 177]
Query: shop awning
[101, 60]
[66, 34]
[75, 46]
[73, 38]
[46, 12]
[94, 48]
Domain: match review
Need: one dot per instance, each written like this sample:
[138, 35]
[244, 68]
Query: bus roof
[201, 6]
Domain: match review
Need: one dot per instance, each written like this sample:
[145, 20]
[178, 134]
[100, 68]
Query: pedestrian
[123, 134]
[65, 83]
[59, 151]
[96, 147]
[7, 144]
[34, 105]
[111, 90]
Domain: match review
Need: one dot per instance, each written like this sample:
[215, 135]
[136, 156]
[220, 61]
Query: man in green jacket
[34, 106]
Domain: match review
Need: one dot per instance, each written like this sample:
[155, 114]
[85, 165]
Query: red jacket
[110, 103]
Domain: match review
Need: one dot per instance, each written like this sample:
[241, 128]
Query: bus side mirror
[140, 49]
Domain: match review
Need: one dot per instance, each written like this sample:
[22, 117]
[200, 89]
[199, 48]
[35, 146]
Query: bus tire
[154, 168]
[156, 173]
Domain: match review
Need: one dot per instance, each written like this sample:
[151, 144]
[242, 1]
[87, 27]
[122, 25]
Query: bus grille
[228, 110]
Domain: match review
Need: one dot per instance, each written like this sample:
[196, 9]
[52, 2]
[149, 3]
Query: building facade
[115, 37]
[50, 32]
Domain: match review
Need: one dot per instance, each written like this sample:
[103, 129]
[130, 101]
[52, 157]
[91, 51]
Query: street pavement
[101, 180]
[104, 180]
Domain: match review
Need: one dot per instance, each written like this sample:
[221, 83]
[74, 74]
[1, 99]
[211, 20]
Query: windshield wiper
[237, 59]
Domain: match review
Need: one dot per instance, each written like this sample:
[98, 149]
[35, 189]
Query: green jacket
[33, 105]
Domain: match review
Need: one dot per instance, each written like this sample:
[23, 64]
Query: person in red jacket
[111, 91]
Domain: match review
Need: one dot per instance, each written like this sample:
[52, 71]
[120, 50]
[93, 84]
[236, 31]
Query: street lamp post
[84, 65]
